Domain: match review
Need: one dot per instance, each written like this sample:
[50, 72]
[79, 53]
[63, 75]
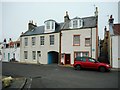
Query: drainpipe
[91, 42]
[59, 61]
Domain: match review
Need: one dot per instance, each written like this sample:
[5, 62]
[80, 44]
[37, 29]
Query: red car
[88, 62]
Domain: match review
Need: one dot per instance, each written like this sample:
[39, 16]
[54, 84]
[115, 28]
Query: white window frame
[26, 41]
[34, 55]
[25, 54]
[76, 23]
[33, 41]
[52, 39]
[42, 40]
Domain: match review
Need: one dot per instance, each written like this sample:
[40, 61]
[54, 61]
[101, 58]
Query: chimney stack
[111, 25]
[31, 25]
[96, 11]
[66, 17]
[111, 19]
[105, 29]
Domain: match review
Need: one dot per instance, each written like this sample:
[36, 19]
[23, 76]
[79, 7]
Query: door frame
[65, 58]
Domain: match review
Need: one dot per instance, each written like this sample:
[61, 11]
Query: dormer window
[49, 26]
[76, 23]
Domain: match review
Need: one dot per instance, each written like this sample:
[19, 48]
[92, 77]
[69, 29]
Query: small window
[26, 41]
[33, 41]
[87, 41]
[75, 23]
[51, 39]
[41, 40]
[34, 55]
[25, 55]
[76, 40]
[48, 25]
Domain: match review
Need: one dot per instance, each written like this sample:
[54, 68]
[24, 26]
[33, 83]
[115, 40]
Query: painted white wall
[44, 49]
[11, 51]
[67, 42]
[115, 51]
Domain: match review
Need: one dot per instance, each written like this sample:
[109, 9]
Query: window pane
[25, 55]
[76, 40]
[34, 55]
[48, 25]
[87, 41]
[26, 41]
[75, 23]
[81, 54]
[41, 40]
[52, 25]
[33, 40]
[51, 39]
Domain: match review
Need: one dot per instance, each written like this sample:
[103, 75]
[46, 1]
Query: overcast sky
[16, 15]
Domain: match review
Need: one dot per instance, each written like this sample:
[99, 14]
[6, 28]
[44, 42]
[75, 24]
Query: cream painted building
[79, 37]
[55, 42]
[41, 44]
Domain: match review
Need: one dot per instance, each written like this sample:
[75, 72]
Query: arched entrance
[52, 57]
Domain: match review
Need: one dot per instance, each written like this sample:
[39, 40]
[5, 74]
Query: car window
[83, 59]
[78, 58]
[91, 60]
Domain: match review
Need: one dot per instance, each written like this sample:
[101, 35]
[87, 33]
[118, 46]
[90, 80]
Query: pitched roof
[89, 22]
[116, 29]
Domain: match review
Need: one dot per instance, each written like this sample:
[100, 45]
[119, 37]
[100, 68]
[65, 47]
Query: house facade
[114, 43]
[57, 42]
[41, 44]
[11, 51]
[79, 37]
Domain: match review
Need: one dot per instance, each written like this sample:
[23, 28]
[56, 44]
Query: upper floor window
[33, 41]
[41, 40]
[87, 41]
[76, 23]
[51, 39]
[76, 40]
[49, 26]
[26, 41]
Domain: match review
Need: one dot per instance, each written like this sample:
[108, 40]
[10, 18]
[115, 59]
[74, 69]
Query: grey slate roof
[88, 22]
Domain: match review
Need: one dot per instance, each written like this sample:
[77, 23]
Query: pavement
[16, 83]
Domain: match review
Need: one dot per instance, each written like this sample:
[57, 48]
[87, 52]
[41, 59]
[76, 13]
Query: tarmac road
[54, 76]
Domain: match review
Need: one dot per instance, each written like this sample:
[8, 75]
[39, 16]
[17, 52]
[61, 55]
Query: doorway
[52, 57]
[67, 58]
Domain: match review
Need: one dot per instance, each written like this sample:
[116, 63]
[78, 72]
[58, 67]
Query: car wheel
[102, 69]
[77, 67]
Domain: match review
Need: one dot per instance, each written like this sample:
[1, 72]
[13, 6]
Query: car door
[91, 63]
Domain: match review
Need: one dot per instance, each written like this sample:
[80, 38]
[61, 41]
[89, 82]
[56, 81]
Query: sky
[15, 16]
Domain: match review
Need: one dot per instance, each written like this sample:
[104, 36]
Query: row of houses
[56, 42]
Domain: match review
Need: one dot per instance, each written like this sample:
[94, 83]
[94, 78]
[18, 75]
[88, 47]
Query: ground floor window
[25, 55]
[81, 54]
[34, 55]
